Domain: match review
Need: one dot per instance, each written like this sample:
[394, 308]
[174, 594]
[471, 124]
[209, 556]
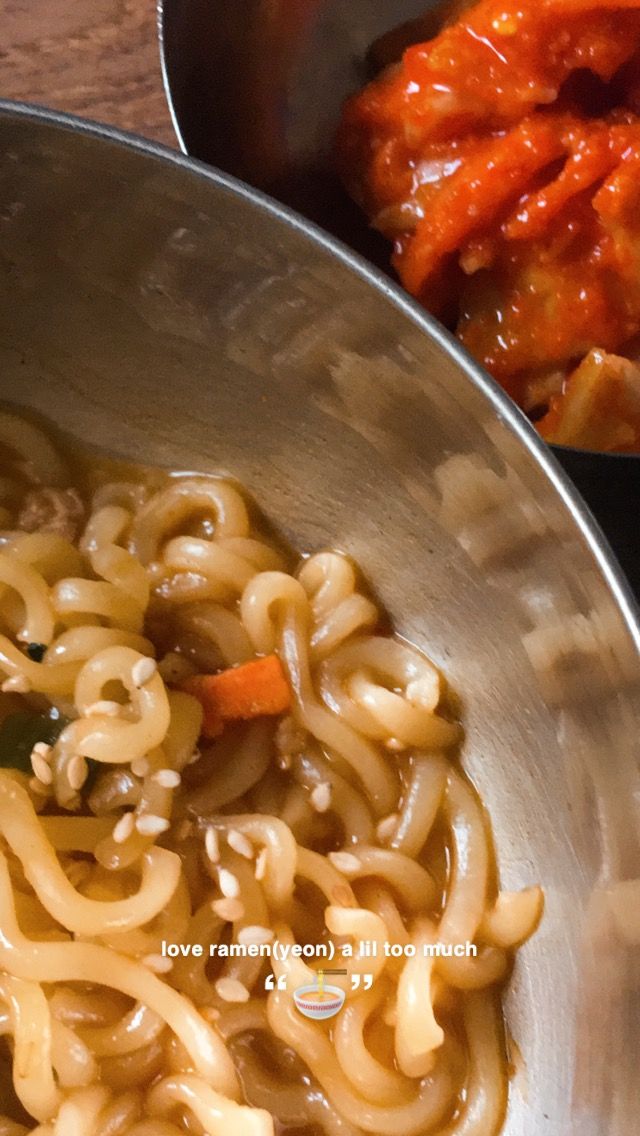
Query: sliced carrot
[248, 691]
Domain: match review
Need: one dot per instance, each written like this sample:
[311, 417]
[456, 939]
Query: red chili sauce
[502, 158]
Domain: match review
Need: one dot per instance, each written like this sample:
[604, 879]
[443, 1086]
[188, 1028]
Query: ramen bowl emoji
[319, 1002]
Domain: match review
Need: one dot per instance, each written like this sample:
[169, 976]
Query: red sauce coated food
[502, 158]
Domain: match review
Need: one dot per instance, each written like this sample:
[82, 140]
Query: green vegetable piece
[19, 733]
[36, 651]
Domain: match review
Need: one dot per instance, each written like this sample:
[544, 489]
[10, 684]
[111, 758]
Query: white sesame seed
[150, 825]
[195, 756]
[143, 671]
[395, 745]
[41, 769]
[140, 767]
[247, 936]
[424, 691]
[284, 761]
[344, 861]
[386, 828]
[123, 828]
[390, 1014]
[321, 797]
[16, 684]
[261, 864]
[290, 737]
[43, 750]
[229, 884]
[37, 787]
[212, 844]
[228, 909]
[103, 708]
[77, 771]
[185, 828]
[158, 963]
[240, 844]
[168, 778]
[231, 990]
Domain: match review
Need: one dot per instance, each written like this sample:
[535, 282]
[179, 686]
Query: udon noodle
[345, 820]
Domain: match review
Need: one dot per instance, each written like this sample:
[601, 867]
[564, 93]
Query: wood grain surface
[97, 58]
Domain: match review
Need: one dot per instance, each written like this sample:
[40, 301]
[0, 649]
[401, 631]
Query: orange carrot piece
[239, 693]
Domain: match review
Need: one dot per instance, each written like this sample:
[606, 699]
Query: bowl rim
[504, 408]
[166, 82]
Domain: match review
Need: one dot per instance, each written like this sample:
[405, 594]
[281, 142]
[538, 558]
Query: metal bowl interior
[274, 127]
[162, 312]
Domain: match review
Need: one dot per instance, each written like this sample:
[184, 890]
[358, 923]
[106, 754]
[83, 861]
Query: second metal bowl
[255, 87]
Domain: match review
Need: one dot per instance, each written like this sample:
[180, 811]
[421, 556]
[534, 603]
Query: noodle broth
[150, 625]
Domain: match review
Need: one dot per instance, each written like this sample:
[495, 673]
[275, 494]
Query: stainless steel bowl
[163, 312]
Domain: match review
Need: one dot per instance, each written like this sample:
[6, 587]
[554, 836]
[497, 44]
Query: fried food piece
[502, 158]
[599, 406]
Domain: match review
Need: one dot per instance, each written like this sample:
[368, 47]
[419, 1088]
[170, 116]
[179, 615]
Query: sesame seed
[103, 708]
[229, 884]
[123, 828]
[228, 909]
[261, 864]
[390, 1014]
[150, 825]
[284, 761]
[321, 797]
[395, 745]
[255, 934]
[77, 771]
[43, 750]
[143, 671]
[168, 778]
[231, 990]
[37, 787]
[386, 828]
[342, 895]
[195, 756]
[41, 769]
[16, 684]
[290, 737]
[344, 861]
[140, 767]
[185, 828]
[212, 844]
[158, 963]
[240, 844]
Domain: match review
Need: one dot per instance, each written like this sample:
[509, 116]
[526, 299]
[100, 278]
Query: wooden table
[97, 58]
